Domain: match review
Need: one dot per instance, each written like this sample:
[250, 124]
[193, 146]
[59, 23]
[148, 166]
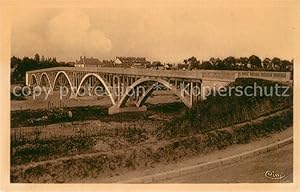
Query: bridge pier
[115, 109]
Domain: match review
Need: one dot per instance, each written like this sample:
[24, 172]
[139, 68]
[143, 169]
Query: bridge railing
[280, 76]
[222, 75]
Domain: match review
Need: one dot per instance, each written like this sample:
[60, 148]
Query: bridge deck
[222, 75]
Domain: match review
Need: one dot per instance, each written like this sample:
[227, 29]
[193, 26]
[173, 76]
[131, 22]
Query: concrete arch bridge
[136, 85]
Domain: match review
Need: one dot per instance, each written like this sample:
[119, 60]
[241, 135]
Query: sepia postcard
[171, 95]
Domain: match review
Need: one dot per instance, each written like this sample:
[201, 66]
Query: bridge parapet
[267, 75]
[225, 75]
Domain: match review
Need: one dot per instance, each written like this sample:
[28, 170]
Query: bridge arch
[149, 92]
[33, 77]
[67, 77]
[104, 83]
[47, 77]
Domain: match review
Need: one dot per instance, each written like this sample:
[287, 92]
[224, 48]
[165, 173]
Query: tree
[267, 64]
[192, 63]
[14, 62]
[254, 62]
[229, 62]
[276, 62]
[220, 64]
[213, 61]
[206, 65]
[244, 61]
[37, 57]
[27, 64]
[286, 65]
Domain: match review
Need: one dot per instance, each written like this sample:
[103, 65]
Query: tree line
[253, 62]
[20, 66]
[242, 63]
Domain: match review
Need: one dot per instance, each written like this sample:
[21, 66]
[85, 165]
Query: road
[251, 170]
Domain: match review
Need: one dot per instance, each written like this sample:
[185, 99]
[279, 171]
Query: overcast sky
[168, 33]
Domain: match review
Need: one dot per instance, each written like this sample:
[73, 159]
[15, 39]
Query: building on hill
[107, 63]
[125, 62]
[155, 65]
[181, 66]
[134, 62]
[88, 62]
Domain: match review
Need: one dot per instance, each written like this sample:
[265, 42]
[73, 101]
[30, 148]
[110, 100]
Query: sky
[165, 32]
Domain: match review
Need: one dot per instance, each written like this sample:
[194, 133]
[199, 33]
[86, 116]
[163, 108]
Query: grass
[216, 111]
[24, 118]
[194, 131]
[166, 107]
[31, 147]
[38, 150]
[220, 139]
[18, 98]
[106, 164]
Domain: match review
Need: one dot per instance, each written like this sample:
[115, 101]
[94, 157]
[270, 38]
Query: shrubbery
[219, 139]
[43, 149]
[57, 115]
[106, 163]
[217, 111]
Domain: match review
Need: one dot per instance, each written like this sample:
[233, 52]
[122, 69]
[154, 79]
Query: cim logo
[273, 175]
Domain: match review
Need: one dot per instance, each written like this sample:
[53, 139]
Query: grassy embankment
[196, 131]
[218, 111]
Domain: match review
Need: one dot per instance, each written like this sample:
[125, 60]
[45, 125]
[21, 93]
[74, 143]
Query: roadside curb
[157, 178]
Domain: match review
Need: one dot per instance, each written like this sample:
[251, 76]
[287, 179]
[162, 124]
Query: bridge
[123, 85]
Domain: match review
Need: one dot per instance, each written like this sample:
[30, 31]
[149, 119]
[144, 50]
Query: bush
[105, 164]
[43, 149]
[216, 111]
[23, 118]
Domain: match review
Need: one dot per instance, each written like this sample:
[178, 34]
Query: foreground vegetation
[219, 111]
[125, 143]
[42, 117]
[107, 163]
